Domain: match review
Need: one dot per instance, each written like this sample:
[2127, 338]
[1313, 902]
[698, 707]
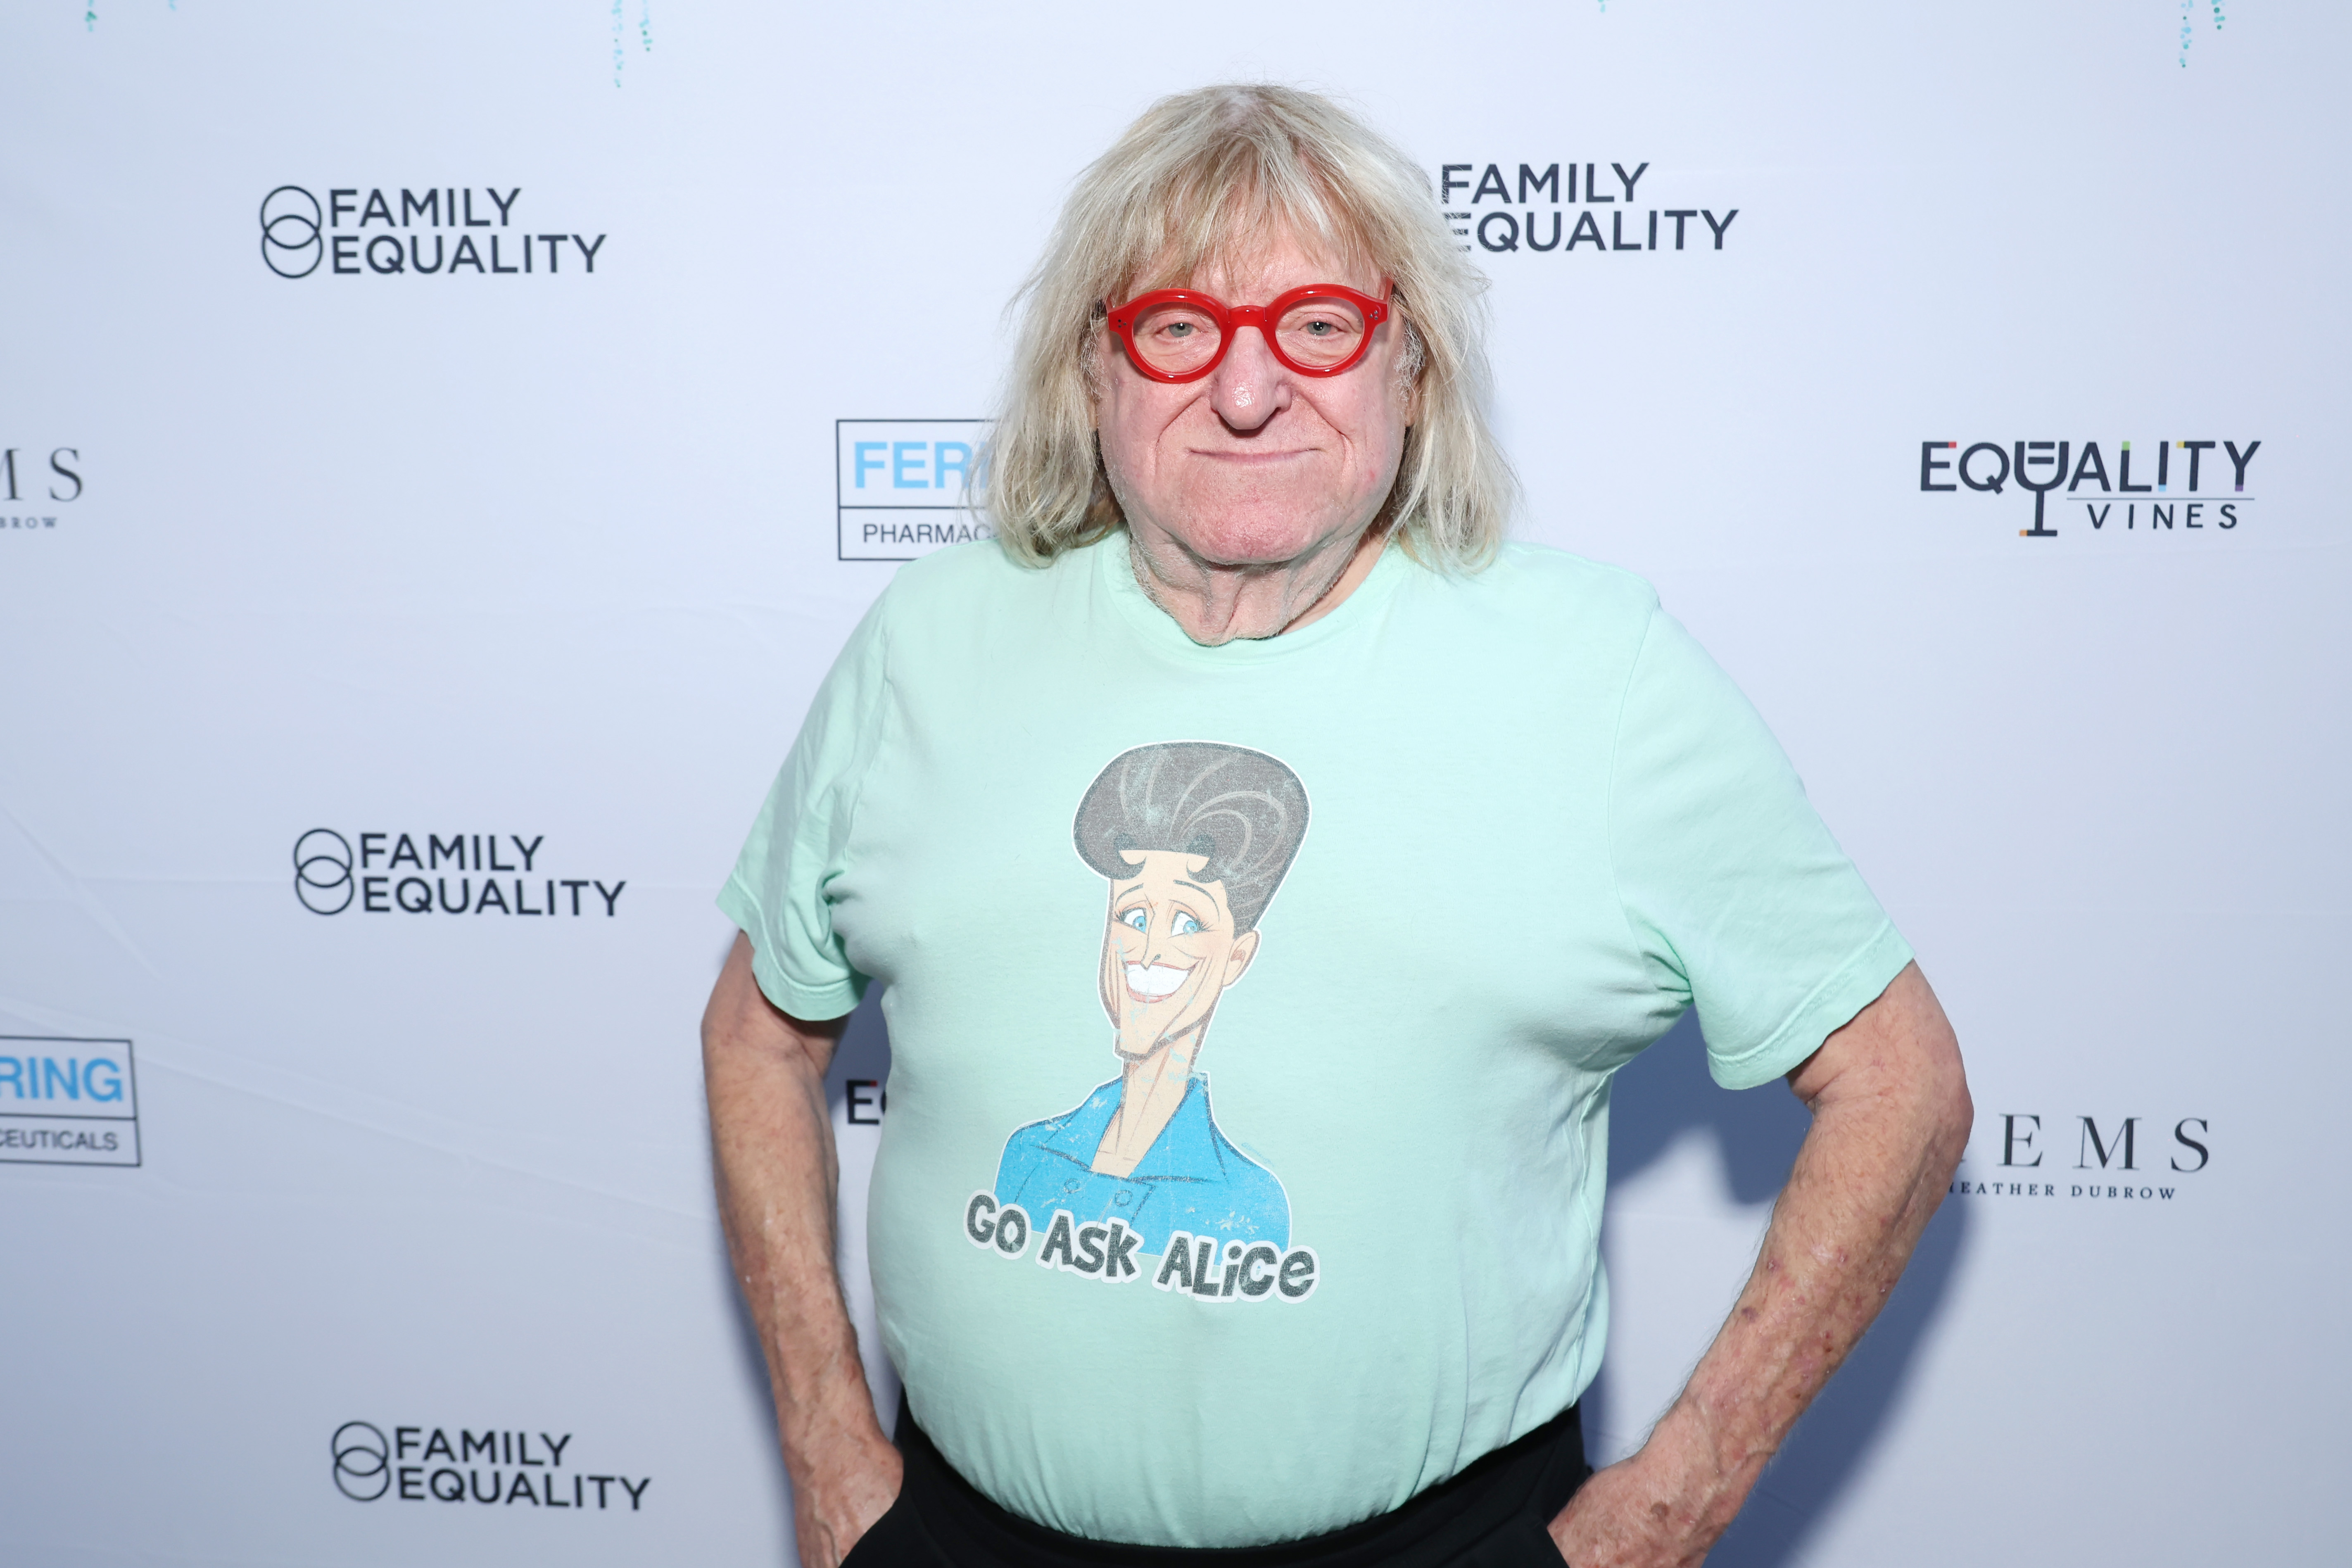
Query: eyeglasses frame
[1231, 318]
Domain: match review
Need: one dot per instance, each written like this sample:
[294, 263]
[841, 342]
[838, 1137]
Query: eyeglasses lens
[1320, 333]
[1176, 339]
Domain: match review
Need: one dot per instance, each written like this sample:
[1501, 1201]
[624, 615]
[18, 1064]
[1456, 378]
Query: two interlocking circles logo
[322, 871]
[291, 241]
[362, 1461]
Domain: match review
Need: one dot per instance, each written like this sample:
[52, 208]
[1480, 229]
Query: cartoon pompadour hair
[1245, 810]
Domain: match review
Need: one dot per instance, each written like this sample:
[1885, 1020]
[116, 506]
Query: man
[1244, 487]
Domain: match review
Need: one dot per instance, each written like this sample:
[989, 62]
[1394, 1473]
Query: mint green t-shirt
[1406, 886]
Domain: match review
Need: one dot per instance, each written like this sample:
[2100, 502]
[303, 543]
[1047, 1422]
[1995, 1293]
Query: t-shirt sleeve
[779, 893]
[1738, 899]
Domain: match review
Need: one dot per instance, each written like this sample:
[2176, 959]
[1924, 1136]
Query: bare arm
[1891, 1115]
[778, 1176]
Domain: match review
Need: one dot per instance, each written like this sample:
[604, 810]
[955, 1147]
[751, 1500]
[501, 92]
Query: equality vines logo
[1531, 210]
[2170, 497]
[471, 229]
[495, 1466]
[426, 874]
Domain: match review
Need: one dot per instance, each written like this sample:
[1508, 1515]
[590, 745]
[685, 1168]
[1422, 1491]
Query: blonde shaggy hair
[1205, 179]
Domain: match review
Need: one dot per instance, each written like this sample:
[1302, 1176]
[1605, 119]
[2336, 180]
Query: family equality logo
[26, 477]
[1529, 210]
[425, 873]
[2172, 492]
[299, 233]
[496, 1466]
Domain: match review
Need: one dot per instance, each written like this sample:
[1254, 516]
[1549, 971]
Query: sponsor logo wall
[437, 469]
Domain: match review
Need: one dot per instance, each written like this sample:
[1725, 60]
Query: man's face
[1255, 464]
[1168, 952]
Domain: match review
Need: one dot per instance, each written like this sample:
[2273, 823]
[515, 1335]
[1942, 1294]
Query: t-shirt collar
[1115, 572]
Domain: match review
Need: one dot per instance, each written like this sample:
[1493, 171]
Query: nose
[1249, 386]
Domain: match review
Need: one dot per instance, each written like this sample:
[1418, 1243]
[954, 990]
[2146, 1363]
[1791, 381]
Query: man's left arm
[1891, 1115]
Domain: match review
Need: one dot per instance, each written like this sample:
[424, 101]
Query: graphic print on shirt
[1193, 838]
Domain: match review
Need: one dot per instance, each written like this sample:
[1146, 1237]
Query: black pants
[1492, 1515]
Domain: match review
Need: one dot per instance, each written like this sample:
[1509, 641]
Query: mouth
[1153, 982]
[1248, 460]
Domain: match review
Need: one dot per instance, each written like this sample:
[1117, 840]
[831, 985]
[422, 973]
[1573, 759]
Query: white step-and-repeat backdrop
[446, 443]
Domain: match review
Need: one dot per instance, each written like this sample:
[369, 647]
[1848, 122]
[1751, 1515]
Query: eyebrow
[1215, 902]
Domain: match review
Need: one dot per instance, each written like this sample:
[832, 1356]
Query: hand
[1891, 1113]
[1623, 1517]
[832, 1511]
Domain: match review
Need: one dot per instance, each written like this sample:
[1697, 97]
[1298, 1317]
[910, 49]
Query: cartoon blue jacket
[1192, 1179]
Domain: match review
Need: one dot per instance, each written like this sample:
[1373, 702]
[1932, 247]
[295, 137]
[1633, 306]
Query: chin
[1254, 535]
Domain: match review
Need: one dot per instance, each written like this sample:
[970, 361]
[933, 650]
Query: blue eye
[1185, 924]
[1135, 918]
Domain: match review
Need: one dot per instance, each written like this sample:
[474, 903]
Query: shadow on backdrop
[1666, 1095]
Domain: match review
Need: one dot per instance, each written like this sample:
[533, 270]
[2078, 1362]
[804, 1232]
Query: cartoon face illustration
[1171, 949]
[1193, 840]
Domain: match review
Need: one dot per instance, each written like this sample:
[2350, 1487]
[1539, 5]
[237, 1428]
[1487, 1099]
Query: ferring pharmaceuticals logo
[362, 1461]
[291, 241]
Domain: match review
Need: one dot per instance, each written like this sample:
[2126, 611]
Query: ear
[1237, 962]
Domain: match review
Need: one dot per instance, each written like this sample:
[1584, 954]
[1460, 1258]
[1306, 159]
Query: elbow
[1955, 1112]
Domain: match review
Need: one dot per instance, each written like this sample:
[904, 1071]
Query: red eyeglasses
[1178, 335]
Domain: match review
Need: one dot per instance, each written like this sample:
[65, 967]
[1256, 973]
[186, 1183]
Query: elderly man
[1250, 557]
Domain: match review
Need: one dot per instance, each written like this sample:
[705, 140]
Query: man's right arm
[772, 1136]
